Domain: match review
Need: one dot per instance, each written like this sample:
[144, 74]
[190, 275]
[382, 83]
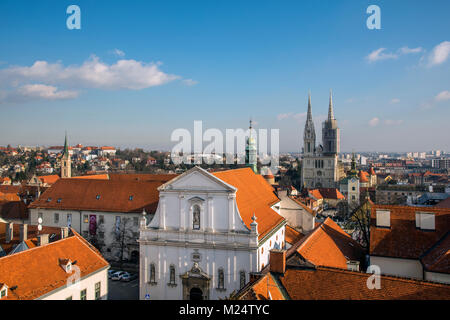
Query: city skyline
[129, 77]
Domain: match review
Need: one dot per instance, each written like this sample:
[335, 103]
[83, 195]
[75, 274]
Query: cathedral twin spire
[309, 136]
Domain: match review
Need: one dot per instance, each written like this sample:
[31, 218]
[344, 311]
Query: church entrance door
[195, 294]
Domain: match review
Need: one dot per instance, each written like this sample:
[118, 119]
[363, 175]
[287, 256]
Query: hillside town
[104, 223]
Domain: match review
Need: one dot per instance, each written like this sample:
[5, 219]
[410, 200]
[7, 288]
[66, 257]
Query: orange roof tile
[264, 288]
[292, 236]
[315, 193]
[254, 196]
[51, 179]
[403, 239]
[9, 197]
[114, 196]
[37, 272]
[334, 284]
[329, 245]
[93, 176]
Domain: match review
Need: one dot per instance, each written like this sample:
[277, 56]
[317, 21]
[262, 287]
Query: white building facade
[197, 246]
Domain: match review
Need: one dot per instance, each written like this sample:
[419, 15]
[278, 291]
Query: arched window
[196, 217]
[152, 273]
[221, 282]
[172, 275]
[242, 279]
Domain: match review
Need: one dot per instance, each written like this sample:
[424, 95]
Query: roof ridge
[388, 276]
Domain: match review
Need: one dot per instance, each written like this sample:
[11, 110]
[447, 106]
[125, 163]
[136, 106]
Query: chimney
[9, 232]
[23, 232]
[277, 261]
[353, 265]
[64, 232]
[42, 239]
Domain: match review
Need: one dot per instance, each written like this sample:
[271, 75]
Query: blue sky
[137, 70]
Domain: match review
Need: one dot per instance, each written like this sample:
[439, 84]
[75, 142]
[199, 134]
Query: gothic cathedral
[321, 167]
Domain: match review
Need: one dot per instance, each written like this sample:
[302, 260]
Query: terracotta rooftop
[254, 196]
[403, 239]
[329, 245]
[100, 195]
[142, 177]
[93, 176]
[292, 236]
[51, 179]
[335, 284]
[13, 210]
[37, 271]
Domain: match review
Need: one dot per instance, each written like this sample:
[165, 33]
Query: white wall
[408, 268]
[80, 226]
[437, 277]
[87, 283]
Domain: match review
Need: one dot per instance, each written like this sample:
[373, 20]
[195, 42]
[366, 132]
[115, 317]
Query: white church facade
[210, 231]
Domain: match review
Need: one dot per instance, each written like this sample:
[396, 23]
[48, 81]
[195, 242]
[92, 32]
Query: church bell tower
[66, 167]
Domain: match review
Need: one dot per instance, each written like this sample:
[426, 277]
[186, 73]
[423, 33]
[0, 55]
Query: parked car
[118, 275]
[110, 273]
[128, 276]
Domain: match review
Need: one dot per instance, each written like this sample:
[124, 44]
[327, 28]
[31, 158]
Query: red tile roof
[114, 196]
[37, 271]
[437, 259]
[254, 196]
[315, 193]
[292, 236]
[142, 177]
[93, 176]
[329, 245]
[334, 284]
[51, 179]
[13, 210]
[264, 288]
[403, 239]
[331, 193]
[9, 197]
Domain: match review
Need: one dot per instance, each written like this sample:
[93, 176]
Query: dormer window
[383, 218]
[130, 198]
[3, 291]
[66, 264]
[97, 197]
[49, 199]
[59, 200]
[425, 221]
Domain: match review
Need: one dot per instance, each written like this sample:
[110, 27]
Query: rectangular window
[83, 294]
[97, 291]
[56, 217]
[101, 219]
[3, 293]
[135, 221]
[69, 220]
[85, 218]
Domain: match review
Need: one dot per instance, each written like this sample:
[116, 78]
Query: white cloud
[378, 54]
[118, 52]
[443, 96]
[282, 116]
[440, 53]
[395, 100]
[31, 92]
[124, 74]
[390, 122]
[190, 82]
[374, 122]
[406, 50]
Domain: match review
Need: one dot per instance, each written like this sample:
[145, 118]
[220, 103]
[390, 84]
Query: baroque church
[321, 167]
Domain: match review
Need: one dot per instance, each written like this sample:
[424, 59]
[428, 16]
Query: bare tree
[123, 235]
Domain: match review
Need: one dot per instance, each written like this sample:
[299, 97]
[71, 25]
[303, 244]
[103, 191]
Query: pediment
[196, 179]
